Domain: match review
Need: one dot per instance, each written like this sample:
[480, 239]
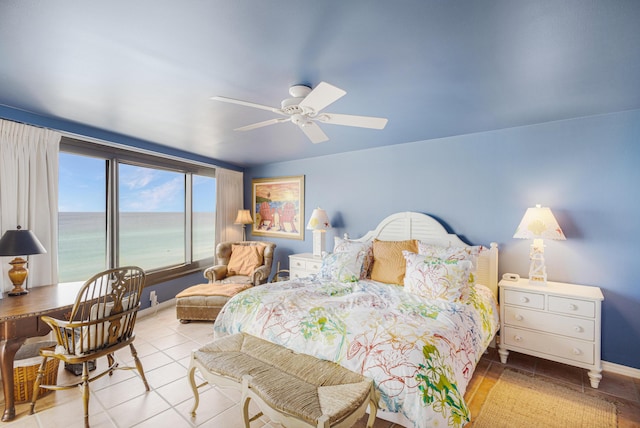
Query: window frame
[116, 155]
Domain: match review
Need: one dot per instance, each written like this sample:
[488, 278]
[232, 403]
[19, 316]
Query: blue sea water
[149, 239]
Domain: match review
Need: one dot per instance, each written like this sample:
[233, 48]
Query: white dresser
[304, 264]
[559, 322]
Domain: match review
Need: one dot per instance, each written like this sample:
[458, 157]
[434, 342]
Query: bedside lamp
[19, 243]
[318, 222]
[538, 223]
[243, 218]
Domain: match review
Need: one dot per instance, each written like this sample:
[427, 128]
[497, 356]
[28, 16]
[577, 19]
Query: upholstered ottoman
[203, 302]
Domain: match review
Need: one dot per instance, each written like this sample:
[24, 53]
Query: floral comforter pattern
[420, 353]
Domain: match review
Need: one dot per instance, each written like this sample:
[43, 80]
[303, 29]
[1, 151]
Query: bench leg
[245, 400]
[194, 388]
[373, 410]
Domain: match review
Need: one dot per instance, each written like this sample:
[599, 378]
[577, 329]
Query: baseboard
[620, 369]
[154, 309]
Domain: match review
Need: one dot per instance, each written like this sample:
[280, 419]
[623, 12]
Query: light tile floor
[164, 346]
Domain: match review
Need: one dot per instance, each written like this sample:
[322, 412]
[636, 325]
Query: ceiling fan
[304, 109]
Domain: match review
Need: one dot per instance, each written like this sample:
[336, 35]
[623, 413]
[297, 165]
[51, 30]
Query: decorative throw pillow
[388, 263]
[347, 246]
[245, 259]
[436, 278]
[469, 253]
[343, 267]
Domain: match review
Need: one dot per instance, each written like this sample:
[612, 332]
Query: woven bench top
[297, 384]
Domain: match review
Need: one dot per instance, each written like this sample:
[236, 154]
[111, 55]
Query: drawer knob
[524, 299]
[517, 338]
[519, 317]
[578, 329]
[576, 351]
[573, 307]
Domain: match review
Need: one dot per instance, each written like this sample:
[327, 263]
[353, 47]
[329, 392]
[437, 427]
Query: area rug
[519, 400]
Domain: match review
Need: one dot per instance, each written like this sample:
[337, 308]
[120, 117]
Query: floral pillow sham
[436, 278]
[343, 267]
[348, 246]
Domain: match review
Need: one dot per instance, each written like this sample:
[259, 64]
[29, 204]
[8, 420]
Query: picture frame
[277, 205]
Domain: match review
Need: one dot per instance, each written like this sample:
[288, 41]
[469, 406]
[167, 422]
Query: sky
[82, 188]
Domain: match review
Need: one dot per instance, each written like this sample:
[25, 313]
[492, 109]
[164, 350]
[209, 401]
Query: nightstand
[304, 264]
[559, 322]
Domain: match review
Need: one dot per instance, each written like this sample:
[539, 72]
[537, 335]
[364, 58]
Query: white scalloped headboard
[412, 225]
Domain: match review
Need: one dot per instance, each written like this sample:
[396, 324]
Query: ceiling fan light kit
[303, 110]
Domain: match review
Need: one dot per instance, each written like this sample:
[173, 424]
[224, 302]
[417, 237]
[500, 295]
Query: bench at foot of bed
[296, 390]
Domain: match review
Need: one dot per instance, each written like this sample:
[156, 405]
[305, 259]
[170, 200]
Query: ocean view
[147, 239]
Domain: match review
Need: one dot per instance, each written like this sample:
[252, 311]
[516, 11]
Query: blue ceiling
[435, 68]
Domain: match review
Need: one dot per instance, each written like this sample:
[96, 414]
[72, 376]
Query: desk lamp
[318, 222]
[538, 223]
[19, 243]
[243, 218]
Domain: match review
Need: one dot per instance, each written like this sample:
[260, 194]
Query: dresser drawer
[312, 266]
[552, 323]
[555, 346]
[564, 305]
[524, 298]
[297, 273]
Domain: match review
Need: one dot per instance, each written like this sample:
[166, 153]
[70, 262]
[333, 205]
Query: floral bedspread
[420, 353]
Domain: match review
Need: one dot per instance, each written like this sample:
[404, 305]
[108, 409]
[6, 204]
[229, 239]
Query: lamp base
[537, 268]
[318, 242]
[17, 274]
[18, 291]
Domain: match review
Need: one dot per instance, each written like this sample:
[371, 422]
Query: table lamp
[319, 223]
[538, 224]
[243, 218]
[19, 243]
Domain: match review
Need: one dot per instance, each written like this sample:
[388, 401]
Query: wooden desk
[20, 319]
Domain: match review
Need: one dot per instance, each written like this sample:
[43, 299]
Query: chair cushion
[227, 290]
[245, 259]
[97, 335]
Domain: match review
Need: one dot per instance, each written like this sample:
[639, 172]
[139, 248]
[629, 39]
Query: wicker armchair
[227, 261]
[101, 322]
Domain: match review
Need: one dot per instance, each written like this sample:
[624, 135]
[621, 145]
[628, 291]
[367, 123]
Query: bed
[419, 345]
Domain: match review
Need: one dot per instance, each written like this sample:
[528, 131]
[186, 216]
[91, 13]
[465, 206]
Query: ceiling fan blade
[321, 96]
[313, 132]
[261, 124]
[350, 120]
[249, 104]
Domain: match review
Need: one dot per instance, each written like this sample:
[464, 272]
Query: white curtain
[29, 195]
[229, 199]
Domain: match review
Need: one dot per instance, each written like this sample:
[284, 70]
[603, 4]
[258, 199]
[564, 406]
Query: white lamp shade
[539, 223]
[319, 220]
[244, 217]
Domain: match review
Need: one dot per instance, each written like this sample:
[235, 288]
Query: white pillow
[91, 333]
[470, 253]
[435, 278]
[343, 267]
[348, 246]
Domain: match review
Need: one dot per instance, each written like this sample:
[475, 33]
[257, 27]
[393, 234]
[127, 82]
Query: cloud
[167, 196]
[136, 178]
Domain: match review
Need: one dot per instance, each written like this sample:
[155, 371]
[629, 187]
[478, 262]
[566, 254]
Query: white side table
[559, 322]
[304, 264]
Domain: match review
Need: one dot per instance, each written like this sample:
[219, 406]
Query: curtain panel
[229, 199]
[29, 195]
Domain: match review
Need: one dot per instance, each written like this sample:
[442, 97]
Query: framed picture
[278, 207]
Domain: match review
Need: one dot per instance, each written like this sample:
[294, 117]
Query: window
[119, 208]
[151, 217]
[82, 217]
[204, 216]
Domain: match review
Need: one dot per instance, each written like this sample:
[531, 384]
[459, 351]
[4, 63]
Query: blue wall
[587, 170]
